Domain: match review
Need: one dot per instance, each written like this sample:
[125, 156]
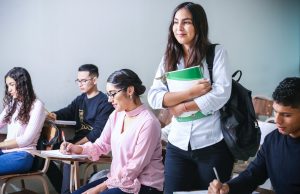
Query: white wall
[53, 38]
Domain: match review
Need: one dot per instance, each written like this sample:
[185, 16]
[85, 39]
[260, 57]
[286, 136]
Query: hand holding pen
[216, 186]
[69, 148]
[65, 146]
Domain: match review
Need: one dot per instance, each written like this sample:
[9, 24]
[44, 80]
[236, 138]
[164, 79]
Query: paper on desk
[192, 192]
[58, 154]
[62, 122]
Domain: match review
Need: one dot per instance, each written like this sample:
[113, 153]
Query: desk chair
[88, 167]
[263, 107]
[164, 116]
[93, 165]
[49, 132]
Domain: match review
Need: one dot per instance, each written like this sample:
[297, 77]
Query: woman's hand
[202, 87]
[51, 116]
[216, 187]
[69, 148]
[98, 189]
[177, 109]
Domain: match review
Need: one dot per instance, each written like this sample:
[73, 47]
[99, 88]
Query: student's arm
[2, 115]
[82, 141]
[221, 87]
[9, 144]
[68, 113]
[103, 111]
[183, 107]
[247, 181]
[34, 126]
[255, 175]
[174, 98]
[102, 145]
[160, 97]
[147, 141]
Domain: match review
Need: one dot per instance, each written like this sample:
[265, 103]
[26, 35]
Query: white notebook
[58, 154]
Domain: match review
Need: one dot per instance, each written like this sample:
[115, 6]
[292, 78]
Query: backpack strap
[235, 74]
[210, 55]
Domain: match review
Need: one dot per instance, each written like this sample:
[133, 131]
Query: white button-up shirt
[207, 130]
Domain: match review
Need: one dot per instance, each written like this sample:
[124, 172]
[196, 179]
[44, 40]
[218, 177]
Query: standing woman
[24, 116]
[132, 134]
[195, 145]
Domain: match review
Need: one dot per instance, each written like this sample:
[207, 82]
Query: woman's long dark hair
[25, 95]
[197, 53]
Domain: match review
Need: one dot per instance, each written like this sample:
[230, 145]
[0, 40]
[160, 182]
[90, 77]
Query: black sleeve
[103, 112]
[68, 113]
[255, 175]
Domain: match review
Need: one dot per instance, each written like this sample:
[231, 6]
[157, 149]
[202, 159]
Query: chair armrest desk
[74, 162]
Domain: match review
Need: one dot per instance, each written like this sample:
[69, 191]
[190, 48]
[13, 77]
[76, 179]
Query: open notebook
[58, 154]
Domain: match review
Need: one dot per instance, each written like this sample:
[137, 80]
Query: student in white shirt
[195, 145]
[24, 116]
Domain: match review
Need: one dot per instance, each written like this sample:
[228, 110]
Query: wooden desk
[74, 162]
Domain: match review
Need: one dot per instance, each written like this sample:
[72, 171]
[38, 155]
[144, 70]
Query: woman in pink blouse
[24, 116]
[132, 134]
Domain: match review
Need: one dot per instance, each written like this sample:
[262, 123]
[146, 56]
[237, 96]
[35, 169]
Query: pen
[63, 136]
[64, 139]
[216, 173]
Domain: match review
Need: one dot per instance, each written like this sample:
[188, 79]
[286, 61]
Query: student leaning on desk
[24, 116]
[132, 134]
[90, 110]
[279, 156]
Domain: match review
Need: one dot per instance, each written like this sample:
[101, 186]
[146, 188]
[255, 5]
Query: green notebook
[183, 79]
[187, 74]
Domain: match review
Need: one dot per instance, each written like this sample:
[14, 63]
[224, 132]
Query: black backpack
[239, 125]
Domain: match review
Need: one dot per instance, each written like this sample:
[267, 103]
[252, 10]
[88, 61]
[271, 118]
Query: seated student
[24, 116]
[132, 133]
[279, 156]
[90, 110]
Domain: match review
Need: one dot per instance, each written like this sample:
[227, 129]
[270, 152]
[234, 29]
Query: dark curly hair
[287, 92]
[25, 95]
[124, 78]
[174, 50]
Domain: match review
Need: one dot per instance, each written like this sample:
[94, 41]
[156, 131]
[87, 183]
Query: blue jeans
[15, 162]
[144, 189]
[65, 188]
[193, 169]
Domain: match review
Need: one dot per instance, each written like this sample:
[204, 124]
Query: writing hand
[65, 147]
[69, 148]
[216, 187]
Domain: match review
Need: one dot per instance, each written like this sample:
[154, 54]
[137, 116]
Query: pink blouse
[26, 135]
[137, 157]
